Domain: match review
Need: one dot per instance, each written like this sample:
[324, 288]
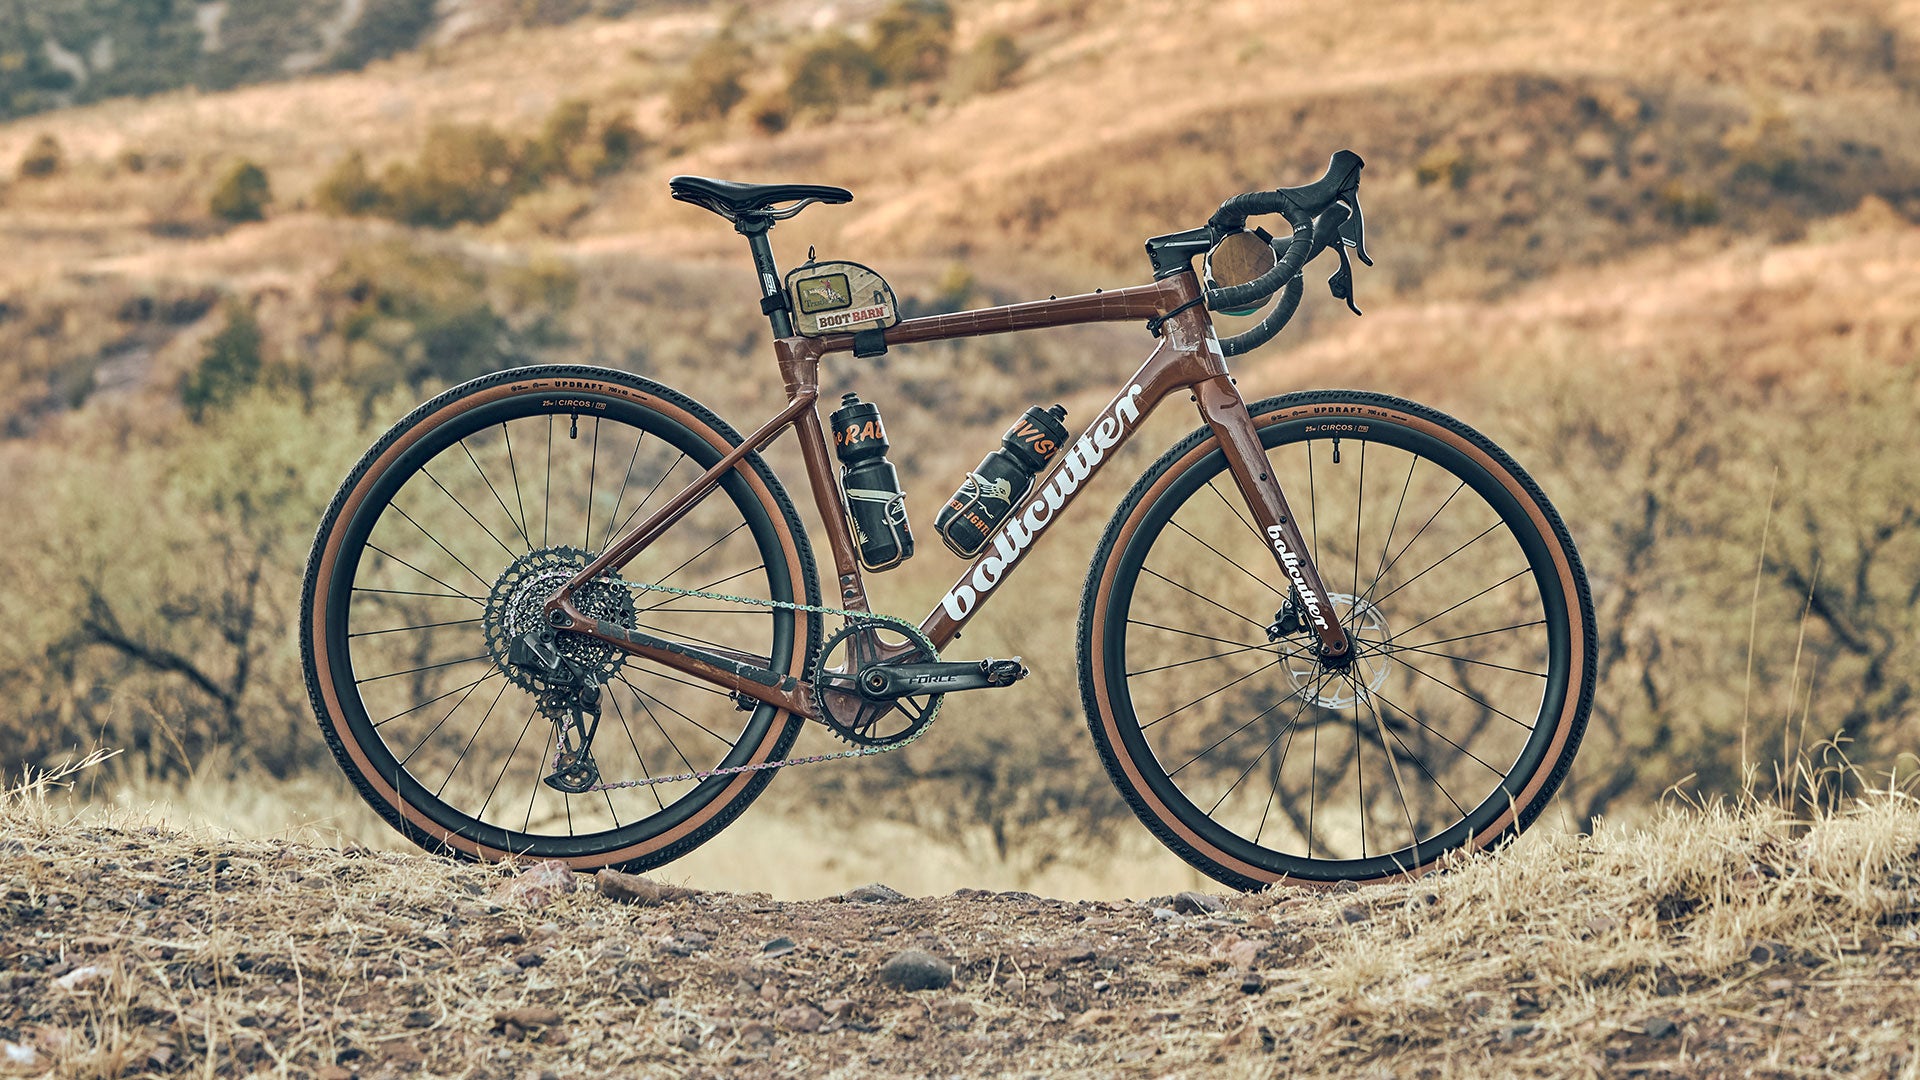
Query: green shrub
[620, 143]
[43, 158]
[769, 111]
[465, 173]
[243, 194]
[411, 317]
[714, 82]
[229, 368]
[349, 190]
[912, 40]
[833, 71]
[990, 65]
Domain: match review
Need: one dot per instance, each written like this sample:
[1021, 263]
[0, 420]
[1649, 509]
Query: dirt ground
[128, 950]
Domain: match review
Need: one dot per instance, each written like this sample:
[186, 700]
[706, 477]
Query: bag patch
[840, 298]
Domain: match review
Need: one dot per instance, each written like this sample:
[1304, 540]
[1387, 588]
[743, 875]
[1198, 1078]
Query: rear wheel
[1474, 660]
[435, 557]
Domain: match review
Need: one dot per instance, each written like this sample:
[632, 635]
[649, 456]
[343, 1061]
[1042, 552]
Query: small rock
[838, 1008]
[536, 887]
[916, 969]
[1658, 1027]
[755, 1033]
[875, 893]
[1767, 952]
[1252, 983]
[634, 889]
[1514, 1031]
[801, 1018]
[1101, 986]
[81, 977]
[18, 1056]
[529, 960]
[1355, 913]
[779, 946]
[1195, 903]
[1161, 914]
[418, 1018]
[1600, 925]
[532, 1016]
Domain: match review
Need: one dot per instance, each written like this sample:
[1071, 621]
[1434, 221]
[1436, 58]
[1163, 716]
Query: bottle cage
[840, 298]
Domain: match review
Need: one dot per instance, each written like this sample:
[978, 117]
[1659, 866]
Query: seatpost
[773, 299]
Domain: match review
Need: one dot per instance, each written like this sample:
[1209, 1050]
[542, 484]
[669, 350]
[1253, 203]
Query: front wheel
[434, 560]
[1469, 687]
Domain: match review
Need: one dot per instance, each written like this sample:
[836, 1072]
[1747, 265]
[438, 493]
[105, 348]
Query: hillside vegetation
[1665, 254]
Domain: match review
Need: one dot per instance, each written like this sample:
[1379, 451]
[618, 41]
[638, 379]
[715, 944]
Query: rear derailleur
[571, 701]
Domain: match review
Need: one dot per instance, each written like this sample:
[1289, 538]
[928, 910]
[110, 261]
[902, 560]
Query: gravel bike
[566, 612]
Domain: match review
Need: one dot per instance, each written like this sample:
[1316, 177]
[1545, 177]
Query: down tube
[1078, 464]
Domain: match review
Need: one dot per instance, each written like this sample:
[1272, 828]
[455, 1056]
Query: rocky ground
[127, 950]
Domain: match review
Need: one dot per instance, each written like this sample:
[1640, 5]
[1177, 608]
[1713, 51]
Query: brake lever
[1353, 234]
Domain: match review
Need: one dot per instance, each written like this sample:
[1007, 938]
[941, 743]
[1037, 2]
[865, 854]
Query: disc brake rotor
[1368, 671]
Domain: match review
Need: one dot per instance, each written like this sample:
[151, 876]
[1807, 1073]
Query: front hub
[1339, 682]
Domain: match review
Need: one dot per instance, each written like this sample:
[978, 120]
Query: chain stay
[903, 625]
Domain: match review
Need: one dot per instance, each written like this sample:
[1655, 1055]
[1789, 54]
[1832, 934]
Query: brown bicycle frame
[1187, 358]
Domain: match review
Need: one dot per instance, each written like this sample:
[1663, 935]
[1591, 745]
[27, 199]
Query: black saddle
[733, 200]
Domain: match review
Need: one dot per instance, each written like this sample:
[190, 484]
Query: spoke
[1360, 782]
[488, 715]
[1212, 692]
[662, 579]
[625, 478]
[684, 682]
[1393, 766]
[1190, 633]
[409, 592]
[496, 494]
[422, 626]
[1313, 502]
[439, 697]
[1273, 789]
[1436, 732]
[1410, 666]
[1359, 515]
[484, 583]
[1256, 758]
[515, 752]
[593, 471]
[1510, 577]
[676, 597]
[1414, 539]
[1230, 562]
[1387, 648]
[456, 708]
[426, 667]
[1198, 660]
[1381, 568]
[424, 574]
[428, 473]
[1208, 599]
[1419, 761]
[533, 793]
[669, 707]
[635, 743]
[1464, 637]
[1254, 719]
[518, 500]
[546, 509]
[642, 504]
[1236, 513]
[1430, 569]
[681, 754]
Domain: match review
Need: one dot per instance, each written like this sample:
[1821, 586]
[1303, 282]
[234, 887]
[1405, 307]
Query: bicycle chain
[902, 626]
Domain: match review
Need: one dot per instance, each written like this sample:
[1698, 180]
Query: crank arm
[888, 682]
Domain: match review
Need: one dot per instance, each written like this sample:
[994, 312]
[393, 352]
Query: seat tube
[1225, 412]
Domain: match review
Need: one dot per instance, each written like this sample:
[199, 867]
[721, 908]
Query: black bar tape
[1276, 320]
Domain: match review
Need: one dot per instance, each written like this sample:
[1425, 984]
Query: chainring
[850, 713]
[517, 607]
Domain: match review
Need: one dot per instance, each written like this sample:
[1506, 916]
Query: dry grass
[1711, 942]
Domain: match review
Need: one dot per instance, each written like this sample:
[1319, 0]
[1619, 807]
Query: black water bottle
[875, 504]
[989, 492]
